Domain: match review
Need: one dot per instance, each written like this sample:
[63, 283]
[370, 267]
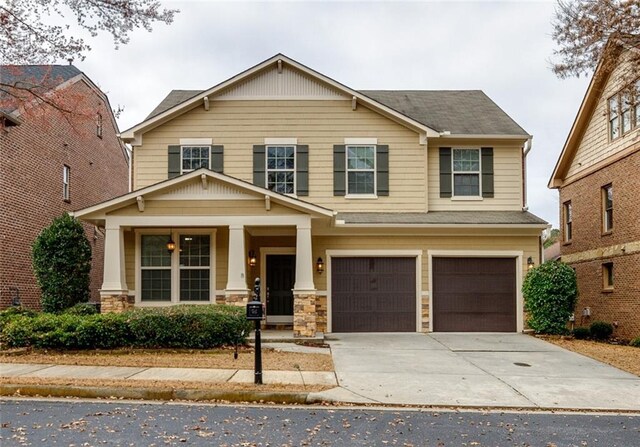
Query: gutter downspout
[525, 151]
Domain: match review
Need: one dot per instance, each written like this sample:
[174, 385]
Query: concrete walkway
[492, 370]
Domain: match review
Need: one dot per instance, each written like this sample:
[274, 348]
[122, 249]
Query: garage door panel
[373, 294]
[474, 294]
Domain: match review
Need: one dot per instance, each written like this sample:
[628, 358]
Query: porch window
[361, 170]
[281, 169]
[466, 172]
[155, 266]
[194, 157]
[195, 255]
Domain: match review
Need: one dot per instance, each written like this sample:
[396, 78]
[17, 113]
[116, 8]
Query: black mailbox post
[255, 312]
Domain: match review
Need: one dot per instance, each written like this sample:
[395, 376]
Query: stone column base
[115, 303]
[236, 299]
[304, 314]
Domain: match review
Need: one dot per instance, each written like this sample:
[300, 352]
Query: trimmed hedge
[601, 330]
[192, 327]
[635, 342]
[581, 333]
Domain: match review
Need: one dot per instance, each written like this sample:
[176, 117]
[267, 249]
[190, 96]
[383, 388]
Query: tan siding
[204, 208]
[130, 258]
[528, 244]
[238, 125]
[507, 168]
[595, 145]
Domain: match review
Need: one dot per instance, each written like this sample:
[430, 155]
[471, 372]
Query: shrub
[581, 333]
[194, 327]
[82, 309]
[550, 292]
[601, 330]
[62, 263]
[13, 312]
[635, 342]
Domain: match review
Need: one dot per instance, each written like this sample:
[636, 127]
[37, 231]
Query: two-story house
[59, 151]
[597, 177]
[359, 210]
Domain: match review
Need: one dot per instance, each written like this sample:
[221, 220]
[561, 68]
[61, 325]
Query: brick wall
[584, 252]
[32, 156]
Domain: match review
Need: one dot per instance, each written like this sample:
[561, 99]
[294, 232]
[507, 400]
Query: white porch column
[304, 259]
[236, 273]
[114, 280]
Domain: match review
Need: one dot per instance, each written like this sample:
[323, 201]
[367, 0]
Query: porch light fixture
[252, 258]
[320, 266]
[171, 245]
[530, 263]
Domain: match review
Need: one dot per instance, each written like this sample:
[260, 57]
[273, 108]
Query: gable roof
[42, 77]
[166, 185]
[460, 112]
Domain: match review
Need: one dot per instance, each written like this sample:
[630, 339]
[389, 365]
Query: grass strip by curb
[107, 392]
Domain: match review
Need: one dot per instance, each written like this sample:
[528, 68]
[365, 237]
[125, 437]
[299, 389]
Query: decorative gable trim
[204, 190]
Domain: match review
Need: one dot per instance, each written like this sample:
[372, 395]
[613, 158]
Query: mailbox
[255, 310]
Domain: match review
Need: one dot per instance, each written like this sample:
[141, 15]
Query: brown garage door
[373, 294]
[474, 294]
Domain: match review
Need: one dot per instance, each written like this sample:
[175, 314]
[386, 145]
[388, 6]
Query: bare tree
[589, 32]
[38, 32]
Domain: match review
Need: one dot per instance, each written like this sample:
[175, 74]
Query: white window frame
[175, 266]
[454, 172]
[355, 195]
[154, 267]
[184, 146]
[66, 183]
[295, 166]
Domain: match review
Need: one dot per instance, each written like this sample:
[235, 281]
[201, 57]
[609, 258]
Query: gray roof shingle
[444, 217]
[464, 112]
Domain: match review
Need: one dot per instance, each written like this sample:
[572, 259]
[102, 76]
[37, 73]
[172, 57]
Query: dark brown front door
[373, 294]
[280, 279]
[474, 294]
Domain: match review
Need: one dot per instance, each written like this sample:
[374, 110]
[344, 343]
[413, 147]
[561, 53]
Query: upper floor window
[99, 125]
[568, 222]
[194, 157]
[624, 111]
[66, 178]
[466, 172]
[361, 169]
[607, 208]
[281, 169]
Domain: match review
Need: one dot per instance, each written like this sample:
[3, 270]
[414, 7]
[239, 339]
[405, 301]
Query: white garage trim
[518, 257]
[377, 254]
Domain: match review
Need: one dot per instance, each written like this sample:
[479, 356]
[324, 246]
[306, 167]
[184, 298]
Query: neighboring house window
[99, 125]
[466, 172]
[194, 157]
[66, 179]
[155, 268]
[624, 111]
[195, 261]
[614, 117]
[568, 222]
[607, 208]
[361, 169]
[281, 169]
[607, 275]
[626, 103]
[637, 104]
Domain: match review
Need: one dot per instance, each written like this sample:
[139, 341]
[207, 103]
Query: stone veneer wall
[304, 315]
[425, 313]
[237, 300]
[115, 303]
[321, 313]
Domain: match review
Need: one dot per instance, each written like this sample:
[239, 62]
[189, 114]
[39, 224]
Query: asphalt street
[89, 423]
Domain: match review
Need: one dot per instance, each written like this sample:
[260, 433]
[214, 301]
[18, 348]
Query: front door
[280, 279]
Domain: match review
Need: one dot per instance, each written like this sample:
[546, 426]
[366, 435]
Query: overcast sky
[502, 48]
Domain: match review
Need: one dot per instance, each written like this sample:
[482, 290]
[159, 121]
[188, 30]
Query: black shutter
[339, 170]
[382, 169]
[258, 165]
[486, 154]
[174, 161]
[445, 172]
[217, 158]
[302, 170]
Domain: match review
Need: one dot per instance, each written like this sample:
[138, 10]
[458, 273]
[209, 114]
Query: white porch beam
[236, 273]
[304, 259]
[114, 280]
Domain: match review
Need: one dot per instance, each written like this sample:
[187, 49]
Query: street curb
[109, 392]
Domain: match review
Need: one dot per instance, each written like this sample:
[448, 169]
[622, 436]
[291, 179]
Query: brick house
[51, 163]
[362, 211]
[597, 177]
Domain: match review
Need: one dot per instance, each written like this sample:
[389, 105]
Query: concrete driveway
[504, 370]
